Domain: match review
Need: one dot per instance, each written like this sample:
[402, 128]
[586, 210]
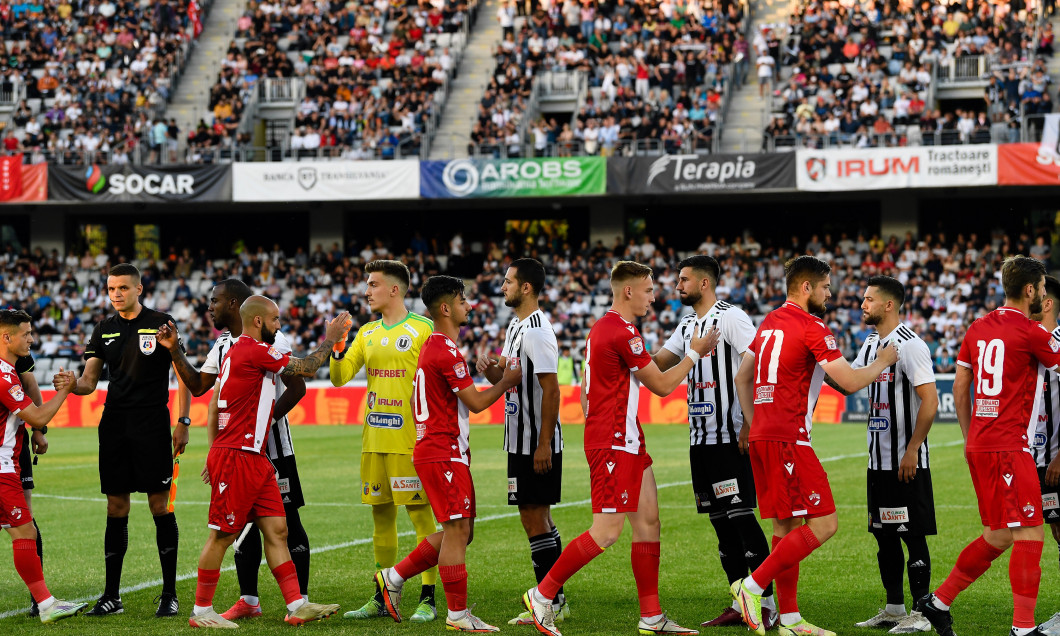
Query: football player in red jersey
[443, 395]
[778, 389]
[242, 480]
[998, 363]
[623, 484]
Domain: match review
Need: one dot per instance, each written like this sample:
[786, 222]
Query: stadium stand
[94, 77]
[655, 74]
[949, 282]
[859, 78]
[370, 79]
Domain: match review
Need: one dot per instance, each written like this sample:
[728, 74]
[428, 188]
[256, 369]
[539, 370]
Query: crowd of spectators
[371, 70]
[949, 282]
[96, 73]
[656, 70]
[861, 75]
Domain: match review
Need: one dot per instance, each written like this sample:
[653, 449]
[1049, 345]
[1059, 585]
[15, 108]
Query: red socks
[423, 558]
[27, 564]
[1025, 574]
[206, 586]
[287, 577]
[454, 582]
[644, 557]
[972, 562]
[786, 585]
[786, 554]
[577, 554]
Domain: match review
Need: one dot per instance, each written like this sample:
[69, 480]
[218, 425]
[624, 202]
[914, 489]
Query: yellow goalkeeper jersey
[389, 353]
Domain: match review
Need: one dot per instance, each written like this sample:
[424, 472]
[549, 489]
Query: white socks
[939, 604]
[250, 600]
[199, 610]
[790, 619]
[651, 620]
[455, 616]
[539, 598]
[768, 602]
[394, 578]
[753, 585]
[293, 607]
[46, 604]
[897, 610]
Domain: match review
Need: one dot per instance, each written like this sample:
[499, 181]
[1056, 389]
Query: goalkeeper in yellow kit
[389, 349]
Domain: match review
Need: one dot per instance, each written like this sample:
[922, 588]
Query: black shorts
[1050, 499]
[135, 451]
[287, 479]
[897, 507]
[722, 479]
[525, 487]
[25, 463]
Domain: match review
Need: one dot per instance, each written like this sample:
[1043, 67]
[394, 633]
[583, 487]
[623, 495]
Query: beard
[815, 309]
[1036, 306]
[690, 298]
[873, 319]
[515, 300]
[268, 337]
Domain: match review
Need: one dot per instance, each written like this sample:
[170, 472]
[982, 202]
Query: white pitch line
[356, 542]
[143, 501]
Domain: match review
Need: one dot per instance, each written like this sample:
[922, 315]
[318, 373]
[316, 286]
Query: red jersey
[12, 400]
[790, 348]
[441, 418]
[1003, 349]
[613, 352]
[246, 391]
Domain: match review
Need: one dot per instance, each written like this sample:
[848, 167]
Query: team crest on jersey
[1028, 509]
[829, 341]
[636, 345]
[16, 513]
[366, 488]
[147, 343]
[461, 370]
[384, 341]
[371, 399]
[403, 343]
[274, 354]
[1054, 344]
[815, 498]
[16, 393]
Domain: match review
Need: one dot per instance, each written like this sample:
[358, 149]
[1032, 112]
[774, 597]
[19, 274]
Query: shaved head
[259, 312]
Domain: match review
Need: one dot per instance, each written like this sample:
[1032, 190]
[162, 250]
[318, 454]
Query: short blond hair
[625, 271]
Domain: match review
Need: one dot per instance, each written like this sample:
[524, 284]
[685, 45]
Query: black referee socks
[115, 543]
[166, 537]
[544, 551]
[40, 543]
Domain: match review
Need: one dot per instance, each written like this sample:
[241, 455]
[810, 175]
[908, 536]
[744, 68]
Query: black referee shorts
[721, 478]
[1050, 499]
[525, 487]
[287, 480]
[25, 463]
[897, 507]
[135, 450]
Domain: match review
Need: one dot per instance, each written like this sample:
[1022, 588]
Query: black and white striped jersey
[893, 400]
[1045, 432]
[533, 341]
[279, 440]
[714, 415]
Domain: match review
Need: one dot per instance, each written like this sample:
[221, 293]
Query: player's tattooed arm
[308, 365]
[832, 383]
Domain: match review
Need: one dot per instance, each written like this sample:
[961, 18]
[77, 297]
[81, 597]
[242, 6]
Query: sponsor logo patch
[16, 393]
[829, 341]
[385, 341]
[147, 344]
[222, 420]
[636, 345]
[1008, 479]
[366, 488]
[274, 354]
[385, 420]
[764, 394]
[405, 484]
[700, 409]
[986, 408]
[1054, 345]
[285, 485]
[1039, 440]
[1050, 501]
[511, 408]
[894, 515]
[513, 484]
[726, 488]
[879, 424]
[461, 370]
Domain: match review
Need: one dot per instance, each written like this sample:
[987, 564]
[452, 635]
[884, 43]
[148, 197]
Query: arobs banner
[130, 184]
[325, 180]
[670, 174]
[475, 178]
[897, 168]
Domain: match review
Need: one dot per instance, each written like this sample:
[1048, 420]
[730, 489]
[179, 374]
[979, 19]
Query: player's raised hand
[705, 342]
[513, 373]
[337, 327]
[167, 336]
[485, 361]
[340, 346]
[888, 354]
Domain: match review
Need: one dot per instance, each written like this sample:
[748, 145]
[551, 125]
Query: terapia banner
[325, 181]
[476, 178]
[896, 168]
[675, 174]
[132, 184]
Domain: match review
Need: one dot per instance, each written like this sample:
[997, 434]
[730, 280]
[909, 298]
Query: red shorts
[242, 488]
[449, 489]
[790, 481]
[13, 509]
[616, 477]
[1006, 484]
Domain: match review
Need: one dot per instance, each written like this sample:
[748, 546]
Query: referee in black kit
[134, 432]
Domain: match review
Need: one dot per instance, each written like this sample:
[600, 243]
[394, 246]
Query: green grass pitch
[839, 583]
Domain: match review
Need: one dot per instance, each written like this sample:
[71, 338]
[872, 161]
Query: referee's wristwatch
[186, 421]
[43, 430]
